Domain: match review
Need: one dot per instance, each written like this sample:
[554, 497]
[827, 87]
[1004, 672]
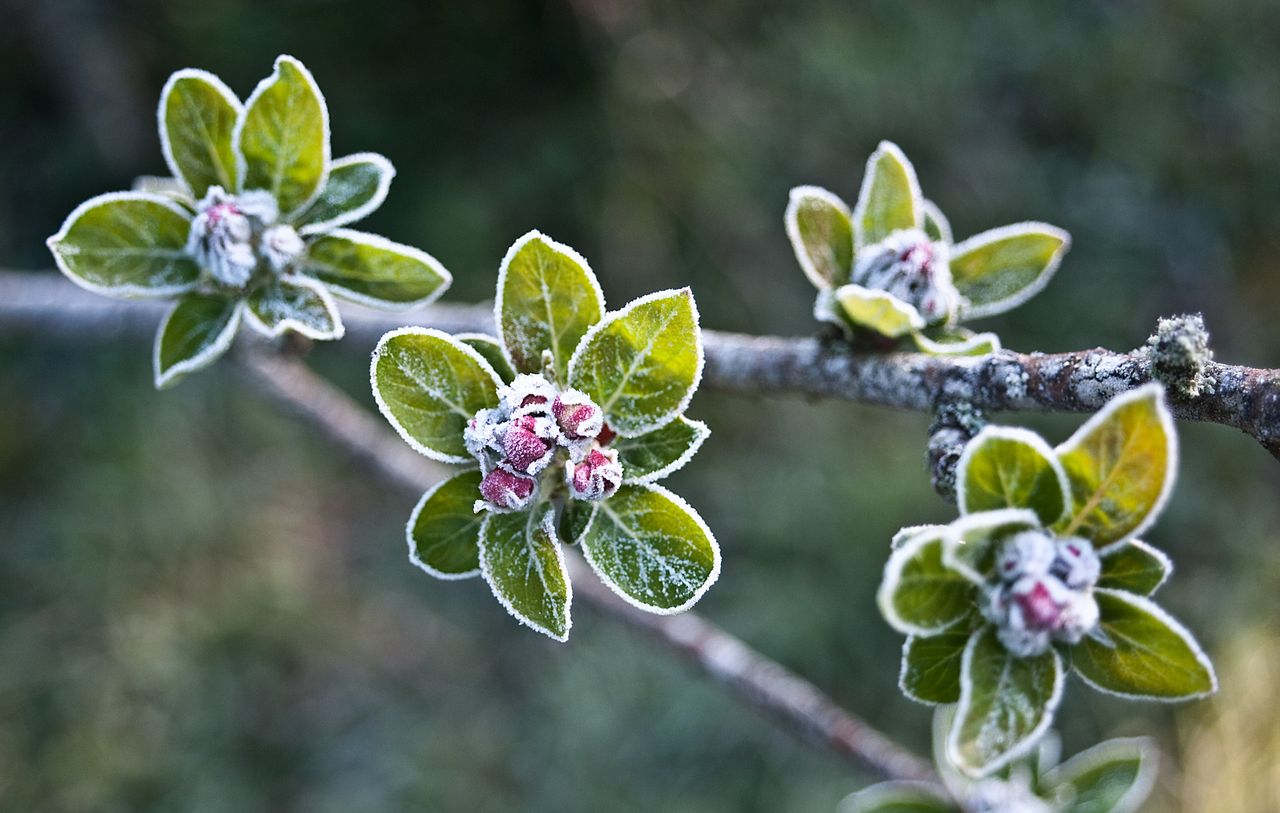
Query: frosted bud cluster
[233, 235]
[914, 269]
[1043, 592]
[520, 438]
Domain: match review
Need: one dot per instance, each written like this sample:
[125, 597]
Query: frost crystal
[1043, 592]
[1004, 796]
[914, 269]
[230, 234]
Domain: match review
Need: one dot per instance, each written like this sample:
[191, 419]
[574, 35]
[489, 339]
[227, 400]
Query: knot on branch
[954, 424]
[1180, 354]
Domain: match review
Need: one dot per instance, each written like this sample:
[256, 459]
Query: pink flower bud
[525, 450]
[506, 491]
[1040, 609]
[596, 476]
[577, 415]
[528, 395]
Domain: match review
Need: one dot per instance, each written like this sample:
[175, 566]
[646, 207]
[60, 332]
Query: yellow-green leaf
[491, 350]
[920, 594]
[931, 665]
[1134, 566]
[444, 529]
[1002, 268]
[820, 228]
[878, 311]
[356, 186]
[294, 303]
[521, 560]
[195, 332]
[198, 115]
[649, 457]
[889, 199]
[1007, 467]
[373, 270]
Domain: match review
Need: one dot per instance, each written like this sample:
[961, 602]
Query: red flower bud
[577, 415]
[504, 490]
[524, 450]
[596, 476]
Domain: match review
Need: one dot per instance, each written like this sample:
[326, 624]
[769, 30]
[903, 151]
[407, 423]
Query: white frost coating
[166, 148]
[1037, 285]
[791, 220]
[697, 594]
[956, 531]
[906, 533]
[1146, 605]
[122, 291]
[1022, 746]
[237, 132]
[701, 433]
[864, 192]
[386, 173]
[413, 548]
[893, 576]
[930, 210]
[1017, 435]
[1171, 436]
[289, 323]
[1112, 751]
[386, 410]
[382, 243]
[559, 248]
[613, 316]
[961, 348]
[872, 799]
[548, 525]
[200, 360]
[1166, 564]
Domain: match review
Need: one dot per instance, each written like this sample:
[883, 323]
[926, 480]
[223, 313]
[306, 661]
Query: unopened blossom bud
[596, 476]
[528, 395]
[1076, 563]
[914, 269]
[221, 239]
[577, 415]
[528, 444]
[506, 491]
[1027, 553]
[480, 438]
[281, 246]
[1078, 618]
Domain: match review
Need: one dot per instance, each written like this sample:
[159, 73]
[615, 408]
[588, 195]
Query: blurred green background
[205, 608]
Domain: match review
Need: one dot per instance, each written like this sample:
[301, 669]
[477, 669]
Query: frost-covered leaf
[429, 385]
[1002, 268]
[1142, 652]
[197, 117]
[294, 303]
[920, 595]
[127, 244]
[1120, 466]
[444, 528]
[357, 185]
[1007, 467]
[282, 137]
[649, 457]
[491, 350]
[1006, 704]
[936, 225]
[878, 311]
[956, 342]
[897, 797]
[1135, 566]
[931, 665]
[641, 364]
[972, 540]
[194, 333]
[821, 231]
[652, 549]
[521, 560]
[889, 199]
[372, 270]
[1116, 776]
[548, 298]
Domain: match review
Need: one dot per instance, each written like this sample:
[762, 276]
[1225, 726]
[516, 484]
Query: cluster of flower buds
[1043, 592]
[914, 269]
[232, 234]
[517, 440]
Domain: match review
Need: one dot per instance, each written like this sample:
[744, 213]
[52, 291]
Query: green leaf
[1116, 776]
[444, 528]
[1142, 652]
[194, 333]
[956, 342]
[491, 350]
[652, 549]
[429, 385]
[1135, 566]
[878, 311]
[521, 560]
[575, 518]
[197, 117]
[919, 595]
[931, 666]
[374, 271]
[1002, 268]
[821, 231]
[1007, 467]
[649, 457]
[1120, 467]
[283, 137]
[972, 540]
[890, 196]
[1006, 704]
[897, 797]
[127, 244]
[936, 225]
[642, 364]
[548, 298]
[294, 303]
[357, 185]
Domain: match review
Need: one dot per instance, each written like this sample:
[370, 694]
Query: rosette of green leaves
[133, 244]
[1105, 484]
[641, 364]
[993, 271]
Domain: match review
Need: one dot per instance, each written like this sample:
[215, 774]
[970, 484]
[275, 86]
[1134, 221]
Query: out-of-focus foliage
[202, 608]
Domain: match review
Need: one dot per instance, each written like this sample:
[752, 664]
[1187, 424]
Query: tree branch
[1245, 398]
